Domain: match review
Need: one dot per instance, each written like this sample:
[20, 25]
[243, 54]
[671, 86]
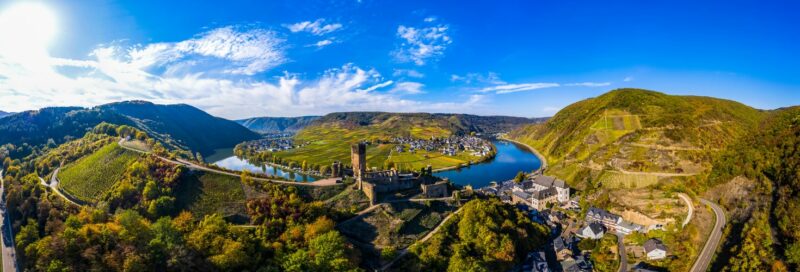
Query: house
[544, 182]
[592, 231]
[540, 199]
[626, 227]
[604, 217]
[562, 249]
[575, 265]
[538, 262]
[655, 249]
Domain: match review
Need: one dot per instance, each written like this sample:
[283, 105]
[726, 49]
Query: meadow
[90, 177]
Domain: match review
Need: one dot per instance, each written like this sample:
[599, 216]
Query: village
[448, 146]
[547, 200]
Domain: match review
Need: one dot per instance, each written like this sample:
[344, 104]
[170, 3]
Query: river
[510, 159]
[238, 164]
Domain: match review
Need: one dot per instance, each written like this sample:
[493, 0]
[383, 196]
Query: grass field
[326, 144]
[88, 178]
[208, 193]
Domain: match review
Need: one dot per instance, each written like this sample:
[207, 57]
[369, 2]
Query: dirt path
[54, 186]
[657, 174]
[691, 208]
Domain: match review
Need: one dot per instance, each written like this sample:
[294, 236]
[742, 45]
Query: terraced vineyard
[88, 178]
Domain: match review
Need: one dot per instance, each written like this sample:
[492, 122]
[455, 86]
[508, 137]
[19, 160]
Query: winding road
[7, 234]
[320, 183]
[701, 265]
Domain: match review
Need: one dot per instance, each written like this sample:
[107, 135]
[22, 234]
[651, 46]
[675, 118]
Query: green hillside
[277, 124]
[90, 177]
[176, 126]
[633, 130]
[758, 182]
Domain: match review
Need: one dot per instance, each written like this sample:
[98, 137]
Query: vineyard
[208, 193]
[88, 178]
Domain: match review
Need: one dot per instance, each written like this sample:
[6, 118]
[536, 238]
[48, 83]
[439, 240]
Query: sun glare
[26, 29]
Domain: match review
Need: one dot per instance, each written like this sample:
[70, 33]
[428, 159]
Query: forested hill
[4, 114]
[180, 126]
[758, 181]
[451, 123]
[277, 124]
[639, 130]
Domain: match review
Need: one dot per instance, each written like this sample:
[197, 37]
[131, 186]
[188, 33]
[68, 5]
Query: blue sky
[288, 58]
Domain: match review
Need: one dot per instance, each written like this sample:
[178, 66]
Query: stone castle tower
[358, 153]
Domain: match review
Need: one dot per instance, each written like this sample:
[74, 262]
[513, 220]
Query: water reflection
[237, 164]
[509, 160]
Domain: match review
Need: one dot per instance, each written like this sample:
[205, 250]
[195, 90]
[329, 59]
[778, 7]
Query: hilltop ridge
[635, 130]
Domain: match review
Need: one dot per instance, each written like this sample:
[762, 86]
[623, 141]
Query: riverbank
[483, 159]
[533, 150]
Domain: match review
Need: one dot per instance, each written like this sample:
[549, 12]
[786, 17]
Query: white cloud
[317, 27]
[503, 88]
[323, 43]
[408, 73]
[245, 52]
[201, 71]
[589, 84]
[628, 79]
[513, 88]
[408, 88]
[469, 78]
[421, 45]
[430, 19]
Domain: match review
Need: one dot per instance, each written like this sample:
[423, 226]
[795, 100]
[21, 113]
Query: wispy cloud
[407, 73]
[513, 88]
[323, 43]
[245, 51]
[421, 44]
[408, 88]
[208, 71]
[317, 27]
[469, 78]
[628, 79]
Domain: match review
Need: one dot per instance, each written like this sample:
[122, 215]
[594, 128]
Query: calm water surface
[510, 159]
[237, 164]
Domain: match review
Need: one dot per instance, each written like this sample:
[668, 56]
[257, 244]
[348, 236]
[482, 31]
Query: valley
[426, 183]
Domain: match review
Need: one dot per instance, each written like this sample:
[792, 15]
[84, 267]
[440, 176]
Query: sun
[26, 29]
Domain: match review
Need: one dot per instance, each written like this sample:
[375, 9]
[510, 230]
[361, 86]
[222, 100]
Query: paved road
[9, 253]
[320, 183]
[701, 265]
[623, 257]
[688, 204]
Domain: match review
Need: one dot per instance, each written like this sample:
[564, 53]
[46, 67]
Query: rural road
[691, 208]
[319, 183]
[623, 257]
[54, 186]
[9, 253]
[701, 265]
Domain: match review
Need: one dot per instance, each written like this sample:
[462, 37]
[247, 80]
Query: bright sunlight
[26, 29]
